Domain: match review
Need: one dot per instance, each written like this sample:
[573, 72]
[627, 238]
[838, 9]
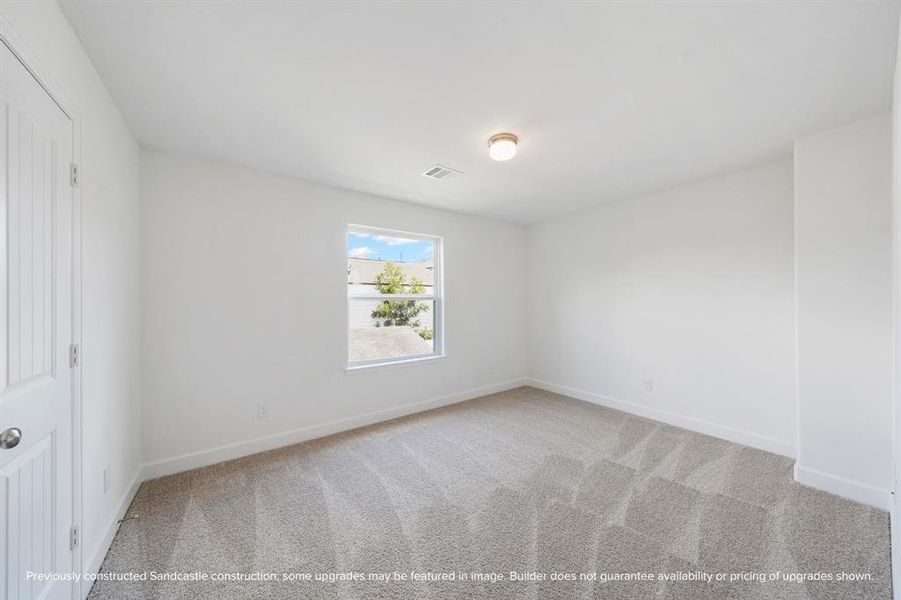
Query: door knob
[10, 438]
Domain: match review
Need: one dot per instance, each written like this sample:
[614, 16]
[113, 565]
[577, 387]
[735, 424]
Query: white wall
[844, 294]
[245, 281]
[111, 294]
[691, 288]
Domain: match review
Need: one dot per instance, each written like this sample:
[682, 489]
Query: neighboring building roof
[376, 343]
[362, 271]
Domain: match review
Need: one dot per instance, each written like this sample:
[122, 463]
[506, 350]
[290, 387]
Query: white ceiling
[610, 100]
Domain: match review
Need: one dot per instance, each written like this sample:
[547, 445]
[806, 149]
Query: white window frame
[436, 297]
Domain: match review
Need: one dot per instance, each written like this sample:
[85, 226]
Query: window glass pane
[379, 264]
[390, 329]
[384, 264]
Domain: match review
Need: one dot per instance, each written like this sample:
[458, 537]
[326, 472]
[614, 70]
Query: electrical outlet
[107, 479]
[647, 385]
[262, 411]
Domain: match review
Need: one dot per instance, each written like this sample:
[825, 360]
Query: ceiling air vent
[439, 172]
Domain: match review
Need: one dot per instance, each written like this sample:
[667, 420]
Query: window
[394, 308]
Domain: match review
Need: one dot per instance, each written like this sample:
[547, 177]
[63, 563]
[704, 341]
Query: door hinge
[73, 537]
[74, 358]
[73, 174]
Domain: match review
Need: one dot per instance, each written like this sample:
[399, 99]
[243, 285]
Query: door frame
[895, 511]
[12, 40]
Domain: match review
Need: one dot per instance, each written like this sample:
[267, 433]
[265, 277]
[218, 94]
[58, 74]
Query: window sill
[404, 362]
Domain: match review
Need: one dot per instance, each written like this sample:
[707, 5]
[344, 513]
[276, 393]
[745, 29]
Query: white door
[36, 384]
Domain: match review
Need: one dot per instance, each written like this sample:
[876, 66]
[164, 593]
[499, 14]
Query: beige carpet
[522, 481]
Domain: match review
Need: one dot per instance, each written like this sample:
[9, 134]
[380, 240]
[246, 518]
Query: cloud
[394, 241]
[361, 252]
[359, 234]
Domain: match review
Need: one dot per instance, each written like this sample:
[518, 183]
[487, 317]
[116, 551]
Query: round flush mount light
[502, 146]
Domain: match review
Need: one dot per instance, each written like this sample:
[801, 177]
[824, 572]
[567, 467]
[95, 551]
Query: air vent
[439, 172]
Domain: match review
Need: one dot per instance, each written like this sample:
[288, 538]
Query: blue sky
[373, 245]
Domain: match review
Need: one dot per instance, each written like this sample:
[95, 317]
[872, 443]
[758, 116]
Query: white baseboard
[738, 436]
[194, 460]
[846, 488]
[93, 566]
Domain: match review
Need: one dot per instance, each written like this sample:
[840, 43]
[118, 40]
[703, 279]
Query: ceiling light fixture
[502, 146]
